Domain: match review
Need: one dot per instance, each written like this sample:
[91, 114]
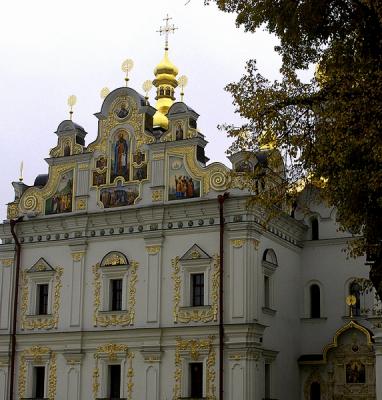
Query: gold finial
[351, 301]
[72, 100]
[127, 66]
[104, 92]
[165, 30]
[183, 80]
[21, 171]
[147, 86]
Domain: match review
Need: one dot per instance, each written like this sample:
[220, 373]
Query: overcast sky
[51, 49]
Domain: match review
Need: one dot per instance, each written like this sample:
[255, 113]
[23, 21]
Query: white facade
[154, 243]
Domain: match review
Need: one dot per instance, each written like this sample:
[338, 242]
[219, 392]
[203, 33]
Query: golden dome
[166, 66]
[160, 120]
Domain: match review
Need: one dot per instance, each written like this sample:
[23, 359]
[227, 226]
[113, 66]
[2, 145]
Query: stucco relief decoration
[205, 314]
[6, 262]
[40, 321]
[36, 354]
[112, 352]
[157, 195]
[13, 210]
[119, 319]
[194, 349]
[54, 196]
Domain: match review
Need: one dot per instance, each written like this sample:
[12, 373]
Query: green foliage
[329, 129]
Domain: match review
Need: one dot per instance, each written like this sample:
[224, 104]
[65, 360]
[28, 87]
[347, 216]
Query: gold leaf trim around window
[194, 348]
[36, 353]
[205, 314]
[111, 350]
[120, 319]
[38, 321]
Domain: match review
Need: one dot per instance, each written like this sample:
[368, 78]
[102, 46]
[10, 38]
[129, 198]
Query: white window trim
[269, 270]
[107, 274]
[307, 300]
[40, 278]
[104, 363]
[31, 363]
[189, 267]
[186, 378]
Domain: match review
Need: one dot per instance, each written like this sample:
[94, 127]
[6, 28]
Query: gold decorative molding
[81, 204]
[204, 314]
[114, 258]
[7, 262]
[195, 254]
[194, 348]
[83, 167]
[153, 249]
[111, 351]
[255, 244]
[237, 243]
[77, 255]
[36, 353]
[120, 319]
[38, 321]
[157, 195]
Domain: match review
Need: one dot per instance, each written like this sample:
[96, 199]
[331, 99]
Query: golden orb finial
[183, 80]
[351, 301]
[147, 86]
[104, 92]
[72, 100]
[126, 67]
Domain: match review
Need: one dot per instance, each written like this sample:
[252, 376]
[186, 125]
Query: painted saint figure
[121, 151]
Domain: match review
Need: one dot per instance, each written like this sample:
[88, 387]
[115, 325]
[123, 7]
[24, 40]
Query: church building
[137, 269]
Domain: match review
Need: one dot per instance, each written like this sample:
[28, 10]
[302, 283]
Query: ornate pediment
[41, 266]
[195, 253]
[114, 258]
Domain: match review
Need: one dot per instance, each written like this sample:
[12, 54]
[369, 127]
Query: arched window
[355, 290]
[168, 92]
[315, 391]
[315, 301]
[161, 92]
[314, 226]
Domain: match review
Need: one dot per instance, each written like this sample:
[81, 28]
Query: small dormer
[71, 139]
[182, 121]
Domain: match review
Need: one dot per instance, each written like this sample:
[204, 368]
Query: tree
[330, 129]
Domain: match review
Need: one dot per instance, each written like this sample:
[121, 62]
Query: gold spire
[165, 80]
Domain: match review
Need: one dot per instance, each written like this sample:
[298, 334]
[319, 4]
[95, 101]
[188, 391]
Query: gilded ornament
[13, 210]
[153, 249]
[39, 322]
[158, 156]
[81, 204]
[114, 259]
[205, 314]
[255, 244]
[36, 353]
[111, 350]
[195, 347]
[120, 319]
[195, 254]
[77, 256]
[157, 195]
[238, 243]
[7, 262]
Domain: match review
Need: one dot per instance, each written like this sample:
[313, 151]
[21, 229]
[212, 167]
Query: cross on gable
[166, 30]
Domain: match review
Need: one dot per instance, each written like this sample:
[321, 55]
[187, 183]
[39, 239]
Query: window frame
[109, 273]
[269, 267]
[189, 268]
[35, 279]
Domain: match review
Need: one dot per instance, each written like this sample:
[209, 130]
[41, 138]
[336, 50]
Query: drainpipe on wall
[13, 223]
[221, 199]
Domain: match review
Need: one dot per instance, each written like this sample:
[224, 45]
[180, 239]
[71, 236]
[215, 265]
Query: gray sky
[51, 49]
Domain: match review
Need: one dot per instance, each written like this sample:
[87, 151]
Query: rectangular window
[115, 381]
[116, 294]
[267, 381]
[266, 291]
[42, 299]
[197, 290]
[196, 380]
[39, 382]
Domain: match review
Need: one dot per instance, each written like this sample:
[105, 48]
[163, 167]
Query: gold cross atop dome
[166, 30]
